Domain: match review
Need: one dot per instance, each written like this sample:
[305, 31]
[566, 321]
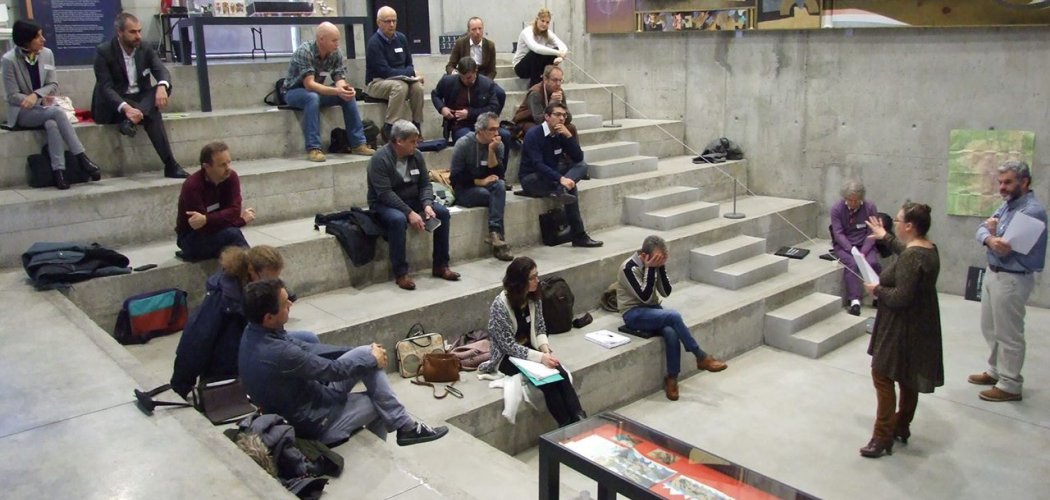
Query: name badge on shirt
[484, 163]
[213, 207]
[557, 151]
[49, 67]
[146, 72]
[414, 171]
[398, 50]
[861, 226]
[528, 318]
[323, 74]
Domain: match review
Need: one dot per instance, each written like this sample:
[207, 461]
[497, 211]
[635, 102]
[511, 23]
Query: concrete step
[511, 82]
[251, 132]
[329, 269]
[622, 166]
[610, 151]
[747, 272]
[801, 314]
[638, 204]
[706, 259]
[822, 337]
[585, 121]
[679, 215]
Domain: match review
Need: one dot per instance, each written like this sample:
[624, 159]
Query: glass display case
[627, 458]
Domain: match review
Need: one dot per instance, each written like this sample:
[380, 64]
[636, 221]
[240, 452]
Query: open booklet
[536, 372]
[1022, 232]
[866, 272]
[607, 339]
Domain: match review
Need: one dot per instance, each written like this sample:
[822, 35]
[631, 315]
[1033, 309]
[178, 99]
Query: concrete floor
[69, 430]
[802, 421]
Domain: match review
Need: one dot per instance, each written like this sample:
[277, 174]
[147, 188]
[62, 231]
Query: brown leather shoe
[446, 274]
[405, 282]
[982, 378]
[875, 449]
[671, 388]
[711, 364]
[997, 395]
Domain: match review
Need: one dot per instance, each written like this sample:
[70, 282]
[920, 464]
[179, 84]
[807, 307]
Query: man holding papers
[1016, 239]
[519, 334]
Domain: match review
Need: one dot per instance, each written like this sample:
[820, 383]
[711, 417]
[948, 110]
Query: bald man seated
[313, 65]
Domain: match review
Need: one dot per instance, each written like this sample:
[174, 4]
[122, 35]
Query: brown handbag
[439, 367]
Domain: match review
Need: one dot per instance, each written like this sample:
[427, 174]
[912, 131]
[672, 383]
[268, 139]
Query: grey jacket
[387, 187]
[17, 85]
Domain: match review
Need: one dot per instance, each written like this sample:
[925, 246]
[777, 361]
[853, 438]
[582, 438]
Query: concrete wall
[812, 109]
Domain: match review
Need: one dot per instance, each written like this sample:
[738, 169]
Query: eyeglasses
[493, 129]
[559, 114]
[556, 80]
[384, 21]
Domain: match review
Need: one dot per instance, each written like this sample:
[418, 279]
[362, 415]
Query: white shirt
[475, 51]
[129, 65]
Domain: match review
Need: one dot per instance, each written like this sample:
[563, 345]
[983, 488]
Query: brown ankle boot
[876, 449]
[671, 387]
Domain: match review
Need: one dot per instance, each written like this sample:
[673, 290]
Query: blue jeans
[504, 136]
[666, 322]
[535, 185]
[396, 223]
[311, 104]
[199, 246]
[493, 196]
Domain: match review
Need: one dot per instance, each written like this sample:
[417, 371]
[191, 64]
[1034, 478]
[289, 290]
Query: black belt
[997, 269]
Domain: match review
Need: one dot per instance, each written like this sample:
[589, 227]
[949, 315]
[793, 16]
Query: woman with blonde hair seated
[538, 47]
[212, 337]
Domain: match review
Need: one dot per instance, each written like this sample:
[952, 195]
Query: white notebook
[607, 339]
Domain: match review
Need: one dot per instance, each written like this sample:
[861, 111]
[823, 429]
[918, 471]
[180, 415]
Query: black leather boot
[60, 179]
[93, 171]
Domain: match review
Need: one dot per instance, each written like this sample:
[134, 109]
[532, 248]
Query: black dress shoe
[93, 171]
[127, 128]
[854, 310]
[175, 172]
[60, 179]
[586, 241]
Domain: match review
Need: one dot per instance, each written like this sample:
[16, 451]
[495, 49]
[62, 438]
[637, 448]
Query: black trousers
[146, 102]
[532, 66]
[561, 398]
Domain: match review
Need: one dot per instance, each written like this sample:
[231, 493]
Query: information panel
[74, 27]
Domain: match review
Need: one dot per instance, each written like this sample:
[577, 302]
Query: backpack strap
[449, 389]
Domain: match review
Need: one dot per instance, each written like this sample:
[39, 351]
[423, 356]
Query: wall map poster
[973, 157]
[74, 27]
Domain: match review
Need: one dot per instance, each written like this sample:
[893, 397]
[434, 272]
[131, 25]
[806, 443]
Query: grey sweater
[387, 187]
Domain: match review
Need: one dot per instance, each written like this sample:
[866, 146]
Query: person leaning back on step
[29, 88]
[311, 64]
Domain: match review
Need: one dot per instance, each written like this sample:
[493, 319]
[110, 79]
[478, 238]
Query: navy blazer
[540, 153]
[112, 82]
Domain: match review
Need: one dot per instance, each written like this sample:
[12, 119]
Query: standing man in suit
[124, 91]
[474, 44]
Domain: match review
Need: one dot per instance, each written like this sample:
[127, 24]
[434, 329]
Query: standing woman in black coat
[905, 344]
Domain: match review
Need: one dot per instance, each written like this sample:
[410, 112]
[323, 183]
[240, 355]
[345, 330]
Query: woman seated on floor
[29, 88]
[517, 330]
[212, 337]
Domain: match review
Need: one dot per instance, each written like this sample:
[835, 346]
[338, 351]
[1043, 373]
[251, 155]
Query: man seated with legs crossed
[389, 72]
[478, 177]
[309, 384]
[545, 173]
[399, 193]
[640, 284]
[210, 214]
[305, 89]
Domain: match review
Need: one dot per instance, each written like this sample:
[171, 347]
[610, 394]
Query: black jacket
[112, 82]
[212, 336]
[486, 95]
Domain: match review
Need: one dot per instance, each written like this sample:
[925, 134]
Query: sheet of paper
[866, 272]
[533, 368]
[1023, 231]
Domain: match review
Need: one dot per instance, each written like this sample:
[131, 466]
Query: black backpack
[276, 96]
[38, 169]
[558, 302]
[356, 231]
[339, 144]
[53, 265]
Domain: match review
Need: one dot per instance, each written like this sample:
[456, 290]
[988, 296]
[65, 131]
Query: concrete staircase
[642, 182]
[735, 263]
[812, 325]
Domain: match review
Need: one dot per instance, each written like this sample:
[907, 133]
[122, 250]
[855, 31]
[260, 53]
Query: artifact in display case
[628, 458]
